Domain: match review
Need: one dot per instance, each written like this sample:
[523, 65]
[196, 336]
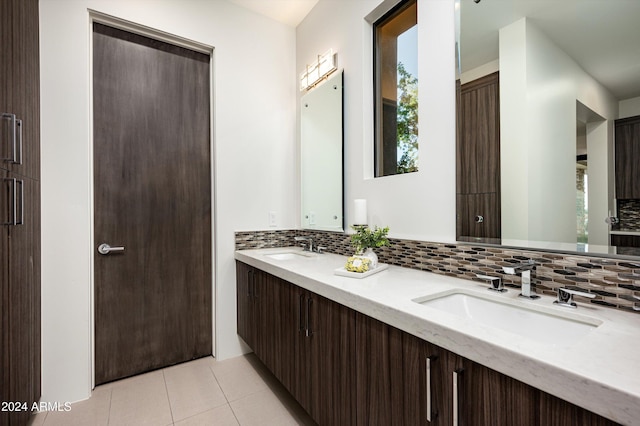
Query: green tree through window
[407, 121]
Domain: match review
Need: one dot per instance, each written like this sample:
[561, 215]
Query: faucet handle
[496, 282]
[565, 297]
[320, 249]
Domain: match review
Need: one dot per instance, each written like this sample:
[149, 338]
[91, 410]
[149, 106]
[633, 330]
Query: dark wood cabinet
[306, 340]
[346, 368]
[327, 354]
[379, 371]
[19, 209]
[478, 158]
[627, 158]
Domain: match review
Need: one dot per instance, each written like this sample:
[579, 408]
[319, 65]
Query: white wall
[539, 117]
[418, 205]
[255, 157]
[629, 107]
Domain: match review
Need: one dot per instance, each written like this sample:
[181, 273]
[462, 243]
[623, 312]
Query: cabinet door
[24, 80]
[283, 330]
[379, 373]
[439, 380]
[244, 299]
[489, 398]
[331, 333]
[5, 198]
[20, 255]
[557, 412]
[627, 156]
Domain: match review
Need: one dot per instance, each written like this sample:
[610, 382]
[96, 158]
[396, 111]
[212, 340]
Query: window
[395, 45]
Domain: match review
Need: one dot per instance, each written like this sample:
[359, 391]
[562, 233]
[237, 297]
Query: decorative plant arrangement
[364, 241]
[365, 238]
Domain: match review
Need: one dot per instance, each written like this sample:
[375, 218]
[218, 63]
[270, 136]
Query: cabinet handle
[301, 325]
[21, 204]
[456, 375]
[17, 147]
[14, 133]
[12, 202]
[309, 303]
[429, 360]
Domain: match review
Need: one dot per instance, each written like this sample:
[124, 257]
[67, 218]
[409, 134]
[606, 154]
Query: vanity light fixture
[319, 70]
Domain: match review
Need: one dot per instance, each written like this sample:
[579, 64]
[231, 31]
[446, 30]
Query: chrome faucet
[496, 282]
[528, 290]
[306, 247]
[565, 297]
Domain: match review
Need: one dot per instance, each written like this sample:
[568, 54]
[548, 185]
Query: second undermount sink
[289, 255]
[533, 322]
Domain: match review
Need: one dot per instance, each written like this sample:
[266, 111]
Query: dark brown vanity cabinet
[306, 341]
[478, 158]
[346, 368]
[627, 158]
[19, 211]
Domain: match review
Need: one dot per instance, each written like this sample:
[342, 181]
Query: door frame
[122, 24]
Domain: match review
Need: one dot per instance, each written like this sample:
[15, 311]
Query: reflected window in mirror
[396, 90]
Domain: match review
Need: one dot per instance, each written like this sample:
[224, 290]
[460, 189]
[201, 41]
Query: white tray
[343, 272]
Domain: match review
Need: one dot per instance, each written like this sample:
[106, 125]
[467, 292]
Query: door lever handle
[105, 248]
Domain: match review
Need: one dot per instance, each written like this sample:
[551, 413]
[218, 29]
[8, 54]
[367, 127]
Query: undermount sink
[532, 322]
[289, 255]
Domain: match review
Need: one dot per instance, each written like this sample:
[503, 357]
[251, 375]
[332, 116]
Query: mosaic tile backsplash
[615, 282]
[629, 215]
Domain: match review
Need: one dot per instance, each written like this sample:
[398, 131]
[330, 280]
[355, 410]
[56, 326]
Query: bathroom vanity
[377, 351]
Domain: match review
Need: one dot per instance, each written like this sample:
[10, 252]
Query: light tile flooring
[238, 391]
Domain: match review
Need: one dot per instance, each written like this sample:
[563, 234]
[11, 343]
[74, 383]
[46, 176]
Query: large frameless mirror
[549, 82]
[321, 156]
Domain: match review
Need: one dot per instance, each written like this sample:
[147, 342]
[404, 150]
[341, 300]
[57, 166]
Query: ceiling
[289, 12]
[603, 36]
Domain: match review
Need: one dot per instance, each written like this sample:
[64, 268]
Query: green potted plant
[365, 240]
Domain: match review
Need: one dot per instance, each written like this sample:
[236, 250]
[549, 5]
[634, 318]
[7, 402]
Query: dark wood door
[478, 158]
[152, 186]
[478, 215]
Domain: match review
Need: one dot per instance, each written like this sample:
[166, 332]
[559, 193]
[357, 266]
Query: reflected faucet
[528, 290]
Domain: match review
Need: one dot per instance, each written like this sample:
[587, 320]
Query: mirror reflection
[321, 156]
[543, 151]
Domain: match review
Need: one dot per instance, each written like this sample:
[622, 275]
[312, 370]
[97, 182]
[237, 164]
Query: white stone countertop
[600, 371]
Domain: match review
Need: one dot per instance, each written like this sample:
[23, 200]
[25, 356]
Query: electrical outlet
[272, 218]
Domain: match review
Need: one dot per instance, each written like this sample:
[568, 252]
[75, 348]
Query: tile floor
[238, 391]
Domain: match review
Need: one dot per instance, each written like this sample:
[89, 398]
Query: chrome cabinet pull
[429, 360]
[17, 146]
[105, 249]
[301, 325]
[479, 219]
[14, 134]
[21, 204]
[12, 202]
[309, 333]
[456, 375]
